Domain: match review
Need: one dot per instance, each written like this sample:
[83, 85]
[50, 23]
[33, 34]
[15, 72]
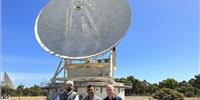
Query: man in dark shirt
[110, 93]
[91, 94]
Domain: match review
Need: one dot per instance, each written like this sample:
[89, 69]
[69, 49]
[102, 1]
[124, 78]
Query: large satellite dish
[78, 29]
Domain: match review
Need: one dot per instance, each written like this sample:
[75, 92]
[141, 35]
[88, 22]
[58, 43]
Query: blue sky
[162, 42]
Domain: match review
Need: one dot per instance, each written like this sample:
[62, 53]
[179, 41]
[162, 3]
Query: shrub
[189, 94]
[167, 94]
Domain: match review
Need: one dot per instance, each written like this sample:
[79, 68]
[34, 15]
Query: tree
[152, 88]
[186, 88]
[36, 91]
[20, 89]
[195, 82]
[6, 91]
[134, 82]
[168, 83]
[26, 92]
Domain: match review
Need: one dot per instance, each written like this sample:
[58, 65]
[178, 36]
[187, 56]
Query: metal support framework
[113, 62]
[58, 71]
[97, 64]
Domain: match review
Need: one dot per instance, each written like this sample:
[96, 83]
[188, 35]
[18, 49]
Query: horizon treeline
[138, 87]
[189, 88]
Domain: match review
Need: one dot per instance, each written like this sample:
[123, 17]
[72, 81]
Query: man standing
[91, 94]
[110, 93]
[69, 94]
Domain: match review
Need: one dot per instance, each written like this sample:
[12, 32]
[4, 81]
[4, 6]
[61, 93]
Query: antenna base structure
[98, 71]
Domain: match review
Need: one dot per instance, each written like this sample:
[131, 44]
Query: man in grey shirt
[91, 94]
